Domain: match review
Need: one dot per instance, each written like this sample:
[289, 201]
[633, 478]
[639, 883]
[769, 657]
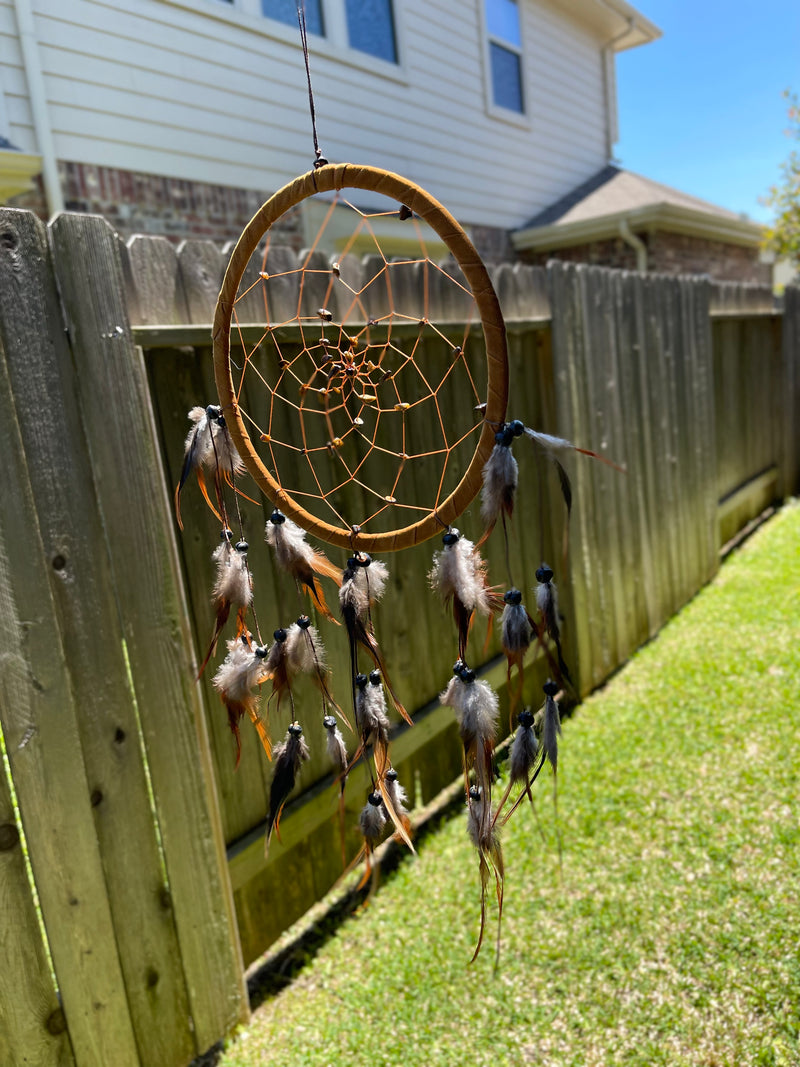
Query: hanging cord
[319, 160]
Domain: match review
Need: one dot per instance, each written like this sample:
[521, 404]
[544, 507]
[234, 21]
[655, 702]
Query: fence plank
[790, 435]
[138, 527]
[32, 1024]
[40, 721]
[200, 269]
[157, 296]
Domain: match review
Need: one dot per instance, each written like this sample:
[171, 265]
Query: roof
[621, 24]
[596, 209]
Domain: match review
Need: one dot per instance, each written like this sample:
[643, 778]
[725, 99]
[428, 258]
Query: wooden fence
[119, 801]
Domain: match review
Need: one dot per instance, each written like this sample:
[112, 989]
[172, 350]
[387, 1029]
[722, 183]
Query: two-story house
[181, 116]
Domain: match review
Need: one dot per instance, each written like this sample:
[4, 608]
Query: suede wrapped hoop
[329, 178]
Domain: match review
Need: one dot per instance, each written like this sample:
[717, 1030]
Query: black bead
[375, 799]
[296, 730]
[391, 775]
[513, 597]
[361, 681]
[525, 719]
[261, 651]
[277, 518]
[474, 792]
[242, 546]
[550, 688]
[226, 534]
[544, 574]
[517, 428]
[452, 537]
[280, 635]
[213, 411]
[304, 622]
[329, 722]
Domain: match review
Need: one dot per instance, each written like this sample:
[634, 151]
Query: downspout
[607, 52]
[38, 98]
[636, 243]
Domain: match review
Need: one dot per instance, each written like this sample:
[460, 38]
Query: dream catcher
[372, 426]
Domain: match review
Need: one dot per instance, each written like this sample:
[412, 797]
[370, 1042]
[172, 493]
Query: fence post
[42, 559]
[135, 508]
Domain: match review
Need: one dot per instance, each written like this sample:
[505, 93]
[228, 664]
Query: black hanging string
[319, 160]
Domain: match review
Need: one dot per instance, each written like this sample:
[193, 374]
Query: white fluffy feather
[239, 671]
[500, 477]
[459, 571]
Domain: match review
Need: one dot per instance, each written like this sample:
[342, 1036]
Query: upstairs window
[370, 28]
[286, 11]
[505, 54]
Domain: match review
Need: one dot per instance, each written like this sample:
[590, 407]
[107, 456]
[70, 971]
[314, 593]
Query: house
[623, 220]
[181, 116]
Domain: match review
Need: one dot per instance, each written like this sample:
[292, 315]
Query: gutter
[29, 46]
[673, 218]
[630, 238]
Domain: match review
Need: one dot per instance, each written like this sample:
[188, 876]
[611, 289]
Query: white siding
[208, 93]
[17, 112]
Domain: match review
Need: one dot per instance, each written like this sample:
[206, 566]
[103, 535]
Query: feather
[524, 749]
[547, 603]
[458, 575]
[305, 654]
[208, 444]
[363, 581]
[372, 722]
[551, 725]
[555, 446]
[482, 833]
[337, 753]
[500, 478]
[299, 559]
[242, 670]
[371, 822]
[233, 587]
[225, 457]
[372, 818]
[516, 636]
[476, 709]
[394, 796]
[278, 669]
[290, 754]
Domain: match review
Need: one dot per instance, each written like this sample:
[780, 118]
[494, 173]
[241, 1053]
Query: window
[370, 28]
[286, 11]
[505, 54]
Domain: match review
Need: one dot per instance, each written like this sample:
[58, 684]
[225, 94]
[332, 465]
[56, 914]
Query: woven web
[362, 393]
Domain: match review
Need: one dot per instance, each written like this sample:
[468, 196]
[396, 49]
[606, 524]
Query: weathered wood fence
[132, 875]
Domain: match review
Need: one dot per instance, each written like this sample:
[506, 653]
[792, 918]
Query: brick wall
[669, 253]
[177, 209]
[677, 253]
[146, 203]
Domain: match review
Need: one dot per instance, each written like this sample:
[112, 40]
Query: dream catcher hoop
[341, 373]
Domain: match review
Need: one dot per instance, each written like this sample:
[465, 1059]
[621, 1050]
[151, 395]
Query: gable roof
[596, 209]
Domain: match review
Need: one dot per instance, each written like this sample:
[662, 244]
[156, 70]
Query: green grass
[674, 937]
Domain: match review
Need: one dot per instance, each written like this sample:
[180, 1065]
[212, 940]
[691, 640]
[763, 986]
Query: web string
[351, 369]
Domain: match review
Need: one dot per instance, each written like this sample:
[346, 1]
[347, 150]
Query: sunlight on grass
[674, 937]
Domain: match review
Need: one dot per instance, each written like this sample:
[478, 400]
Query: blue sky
[701, 108]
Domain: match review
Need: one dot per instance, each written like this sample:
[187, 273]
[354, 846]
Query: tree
[783, 236]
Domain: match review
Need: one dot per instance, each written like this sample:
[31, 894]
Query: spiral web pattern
[363, 392]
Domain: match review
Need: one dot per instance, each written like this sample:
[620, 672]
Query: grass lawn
[674, 935]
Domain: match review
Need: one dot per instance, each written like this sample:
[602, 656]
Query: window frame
[495, 110]
[248, 15]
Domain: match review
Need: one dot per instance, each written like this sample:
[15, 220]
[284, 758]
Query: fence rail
[144, 844]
